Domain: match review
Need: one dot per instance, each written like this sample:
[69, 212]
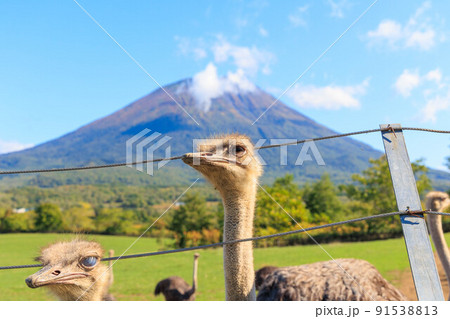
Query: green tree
[48, 218]
[374, 185]
[115, 221]
[11, 222]
[192, 215]
[270, 218]
[133, 201]
[80, 218]
[322, 200]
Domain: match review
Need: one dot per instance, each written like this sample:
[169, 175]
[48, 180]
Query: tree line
[199, 218]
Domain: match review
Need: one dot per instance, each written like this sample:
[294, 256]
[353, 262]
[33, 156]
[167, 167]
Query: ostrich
[176, 289]
[438, 202]
[262, 274]
[110, 297]
[72, 271]
[229, 164]
[327, 281]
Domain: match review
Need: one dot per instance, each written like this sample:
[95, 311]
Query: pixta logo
[141, 147]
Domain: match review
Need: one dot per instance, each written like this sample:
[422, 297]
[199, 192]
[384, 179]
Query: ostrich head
[72, 270]
[437, 201]
[228, 162]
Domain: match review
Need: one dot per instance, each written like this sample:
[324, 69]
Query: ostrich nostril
[207, 154]
[56, 272]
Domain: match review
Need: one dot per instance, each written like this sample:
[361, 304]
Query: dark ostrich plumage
[326, 281]
[261, 275]
[176, 288]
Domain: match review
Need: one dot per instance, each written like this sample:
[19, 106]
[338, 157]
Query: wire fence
[66, 169]
[165, 252]
[411, 213]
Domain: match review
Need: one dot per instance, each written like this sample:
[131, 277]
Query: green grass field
[135, 279]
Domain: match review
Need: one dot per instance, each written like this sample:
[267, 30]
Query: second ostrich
[229, 163]
[176, 289]
[73, 271]
[438, 202]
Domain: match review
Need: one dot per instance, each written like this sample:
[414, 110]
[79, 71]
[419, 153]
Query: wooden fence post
[418, 246]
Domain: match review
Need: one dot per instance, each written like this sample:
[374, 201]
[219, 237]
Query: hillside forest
[197, 217]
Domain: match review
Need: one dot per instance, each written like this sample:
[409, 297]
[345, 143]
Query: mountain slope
[103, 141]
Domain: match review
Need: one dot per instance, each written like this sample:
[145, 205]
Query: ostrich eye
[239, 150]
[89, 262]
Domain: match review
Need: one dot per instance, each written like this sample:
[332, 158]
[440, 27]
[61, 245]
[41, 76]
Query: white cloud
[406, 82]
[433, 106]
[338, 7]
[297, 18]
[331, 97]
[250, 60]
[409, 80]
[207, 85]
[434, 88]
[424, 39]
[12, 146]
[388, 30]
[238, 81]
[194, 47]
[434, 75]
[247, 62]
[418, 32]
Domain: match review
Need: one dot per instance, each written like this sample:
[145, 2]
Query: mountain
[103, 141]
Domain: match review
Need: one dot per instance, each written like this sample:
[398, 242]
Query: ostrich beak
[202, 158]
[50, 275]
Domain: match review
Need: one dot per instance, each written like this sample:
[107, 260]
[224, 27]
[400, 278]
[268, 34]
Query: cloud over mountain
[330, 97]
[12, 146]
[207, 85]
[246, 62]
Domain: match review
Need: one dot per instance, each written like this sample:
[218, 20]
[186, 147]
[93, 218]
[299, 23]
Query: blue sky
[60, 71]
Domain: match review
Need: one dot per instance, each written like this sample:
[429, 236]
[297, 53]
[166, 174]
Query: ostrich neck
[194, 275]
[238, 258]
[73, 292]
[437, 234]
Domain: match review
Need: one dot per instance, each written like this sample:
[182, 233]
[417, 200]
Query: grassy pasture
[135, 279]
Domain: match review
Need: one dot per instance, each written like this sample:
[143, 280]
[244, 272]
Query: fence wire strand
[156, 253]
[52, 170]
[237, 240]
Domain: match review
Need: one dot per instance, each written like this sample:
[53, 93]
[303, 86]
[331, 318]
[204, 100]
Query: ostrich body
[176, 288]
[261, 275]
[326, 281]
[438, 202]
[73, 271]
[231, 167]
